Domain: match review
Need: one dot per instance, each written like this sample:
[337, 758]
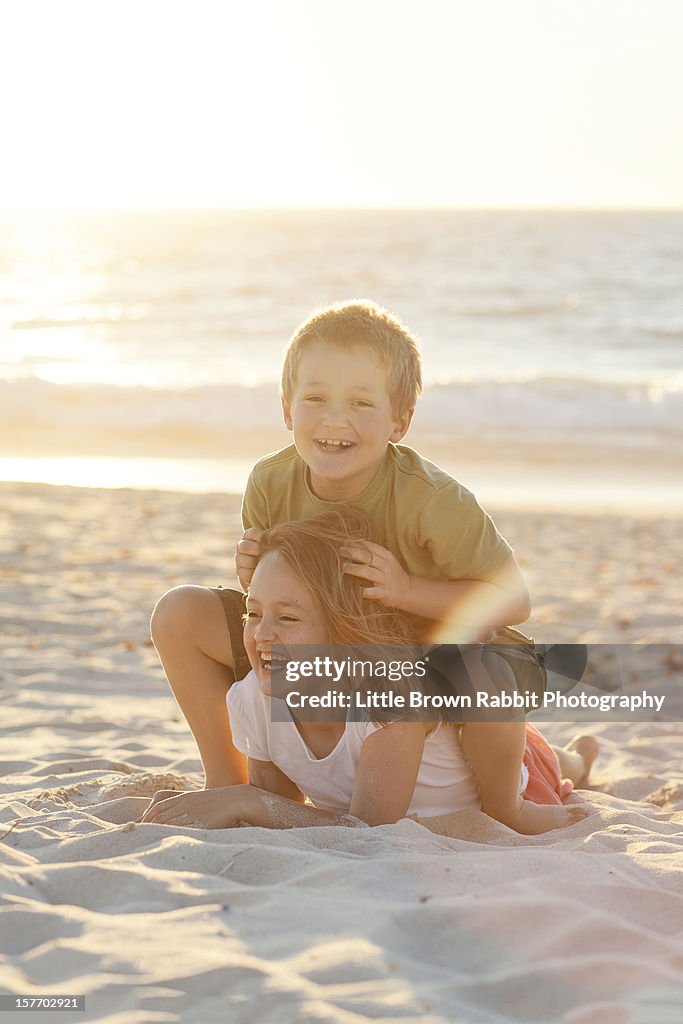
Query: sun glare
[161, 105]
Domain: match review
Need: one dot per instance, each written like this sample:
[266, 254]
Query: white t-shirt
[445, 781]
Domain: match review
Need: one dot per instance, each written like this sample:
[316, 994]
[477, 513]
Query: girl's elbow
[385, 819]
[505, 812]
[378, 816]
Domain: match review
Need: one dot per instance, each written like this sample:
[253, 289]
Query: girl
[376, 771]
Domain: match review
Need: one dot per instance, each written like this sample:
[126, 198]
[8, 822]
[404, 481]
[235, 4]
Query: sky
[276, 103]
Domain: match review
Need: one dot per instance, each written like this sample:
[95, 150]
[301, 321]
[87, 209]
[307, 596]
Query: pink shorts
[546, 785]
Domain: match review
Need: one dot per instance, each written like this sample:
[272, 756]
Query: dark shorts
[234, 607]
[529, 662]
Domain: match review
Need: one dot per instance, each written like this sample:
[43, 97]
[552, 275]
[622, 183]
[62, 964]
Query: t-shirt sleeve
[254, 505]
[248, 719]
[460, 535]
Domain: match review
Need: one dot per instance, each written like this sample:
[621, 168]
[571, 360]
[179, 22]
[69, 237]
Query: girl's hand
[234, 806]
[372, 562]
[534, 819]
[227, 807]
[164, 794]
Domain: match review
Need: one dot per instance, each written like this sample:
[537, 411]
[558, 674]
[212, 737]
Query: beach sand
[397, 923]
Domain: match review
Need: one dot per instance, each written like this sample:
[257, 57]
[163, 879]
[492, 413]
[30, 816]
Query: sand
[397, 923]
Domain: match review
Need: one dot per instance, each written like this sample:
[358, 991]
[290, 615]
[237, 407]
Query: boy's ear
[401, 426]
[286, 412]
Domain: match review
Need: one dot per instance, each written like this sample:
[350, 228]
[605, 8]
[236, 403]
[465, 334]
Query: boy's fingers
[253, 533]
[249, 560]
[249, 548]
[374, 593]
[364, 572]
[360, 555]
[377, 549]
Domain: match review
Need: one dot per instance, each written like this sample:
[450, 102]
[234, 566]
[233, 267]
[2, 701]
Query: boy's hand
[390, 582]
[247, 555]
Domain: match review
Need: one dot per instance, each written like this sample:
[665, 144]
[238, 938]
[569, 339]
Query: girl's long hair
[312, 548]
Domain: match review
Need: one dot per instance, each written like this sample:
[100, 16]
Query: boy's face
[341, 418]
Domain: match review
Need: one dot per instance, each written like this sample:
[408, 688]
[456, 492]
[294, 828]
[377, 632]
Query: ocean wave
[217, 419]
[558, 406]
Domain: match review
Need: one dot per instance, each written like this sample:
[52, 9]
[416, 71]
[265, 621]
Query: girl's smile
[280, 611]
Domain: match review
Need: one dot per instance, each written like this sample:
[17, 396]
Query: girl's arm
[495, 751]
[271, 800]
[387, 772]
[266, 775]
[384, 786]
[263, 809]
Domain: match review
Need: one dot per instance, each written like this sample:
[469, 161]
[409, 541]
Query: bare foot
[588, 748]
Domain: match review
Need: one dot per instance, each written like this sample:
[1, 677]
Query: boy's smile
[342, 418]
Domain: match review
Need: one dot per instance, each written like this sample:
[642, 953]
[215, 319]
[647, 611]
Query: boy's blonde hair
[361, 323]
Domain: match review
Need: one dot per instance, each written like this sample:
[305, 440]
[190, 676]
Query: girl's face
[280, 610]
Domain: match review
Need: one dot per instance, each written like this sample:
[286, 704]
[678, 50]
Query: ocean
[143, 349]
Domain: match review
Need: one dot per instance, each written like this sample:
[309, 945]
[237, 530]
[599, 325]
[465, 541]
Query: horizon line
[364, 208]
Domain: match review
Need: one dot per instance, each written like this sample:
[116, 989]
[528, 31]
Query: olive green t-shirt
[430, 522]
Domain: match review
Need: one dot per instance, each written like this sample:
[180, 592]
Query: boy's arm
[480, 586]
[254, 522]
[247, 554]
[474, 605]
[254, 505]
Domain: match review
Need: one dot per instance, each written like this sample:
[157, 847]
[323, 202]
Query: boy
[350, 381]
